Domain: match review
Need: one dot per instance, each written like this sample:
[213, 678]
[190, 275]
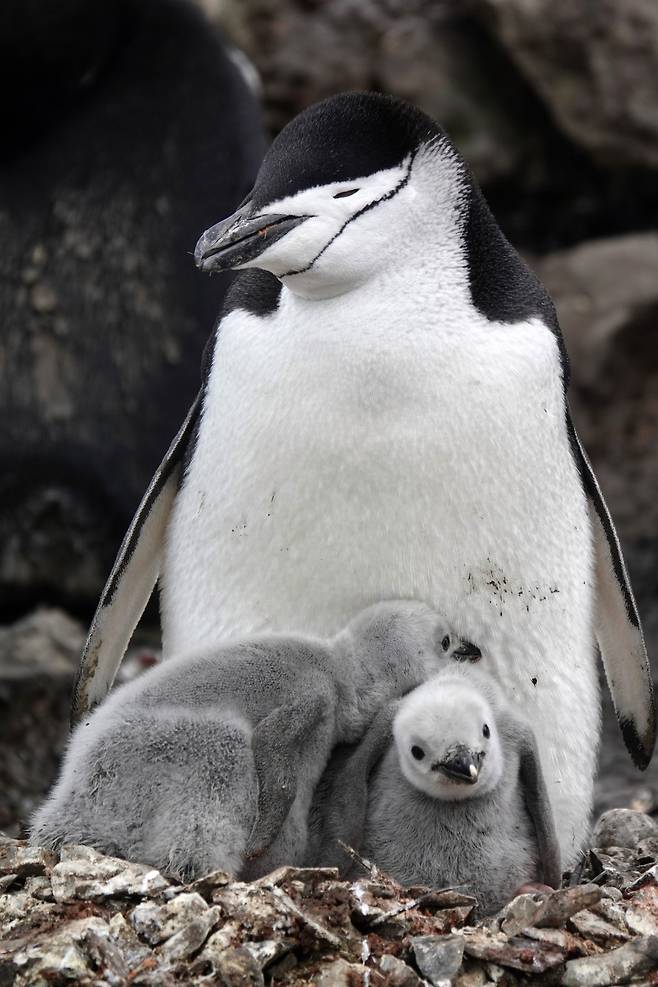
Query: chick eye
[345, 193]
[417, 752]
[485, 730]
[445, 643]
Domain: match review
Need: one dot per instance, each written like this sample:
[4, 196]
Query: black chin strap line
[371, 205]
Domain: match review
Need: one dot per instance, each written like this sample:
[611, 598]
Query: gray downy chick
[210, 762]
[446, 789]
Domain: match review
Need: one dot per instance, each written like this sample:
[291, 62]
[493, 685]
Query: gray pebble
[623, 828]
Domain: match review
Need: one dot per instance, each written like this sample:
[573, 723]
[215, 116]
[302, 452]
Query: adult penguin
[125, 123]
[386, 416]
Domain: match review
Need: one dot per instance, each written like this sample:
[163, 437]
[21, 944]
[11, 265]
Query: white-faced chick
[457, 799]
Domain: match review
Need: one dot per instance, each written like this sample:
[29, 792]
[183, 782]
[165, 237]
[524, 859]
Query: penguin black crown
[331, 168]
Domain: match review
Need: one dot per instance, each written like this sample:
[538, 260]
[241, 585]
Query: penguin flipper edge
[131, 581]
[617, 623]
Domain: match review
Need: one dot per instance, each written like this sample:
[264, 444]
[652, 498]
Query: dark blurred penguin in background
[125, 123]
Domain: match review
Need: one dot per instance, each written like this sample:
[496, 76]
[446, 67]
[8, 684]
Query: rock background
[127, 126]
[555, 104]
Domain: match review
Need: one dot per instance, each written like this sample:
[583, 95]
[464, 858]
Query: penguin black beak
[241, 238]
[461, 764]
[467, 652]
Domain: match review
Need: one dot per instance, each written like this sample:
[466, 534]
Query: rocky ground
[80, 917]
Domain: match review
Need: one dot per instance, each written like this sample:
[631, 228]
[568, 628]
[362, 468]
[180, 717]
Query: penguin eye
[445, 643]
[485, 730]
[345, 193]
[417, 752]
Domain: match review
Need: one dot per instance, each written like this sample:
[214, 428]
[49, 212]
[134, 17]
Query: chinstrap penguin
[391, 342]
[203, 762]
[458, 799]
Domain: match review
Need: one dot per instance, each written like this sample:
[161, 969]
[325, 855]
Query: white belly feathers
[331, 472]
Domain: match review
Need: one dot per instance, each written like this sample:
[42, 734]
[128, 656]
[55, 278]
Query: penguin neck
[421, 254]
[438, 280]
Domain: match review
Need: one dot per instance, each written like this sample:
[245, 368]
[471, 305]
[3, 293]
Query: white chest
[339, 463]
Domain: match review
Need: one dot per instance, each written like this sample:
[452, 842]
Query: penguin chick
[458, 798]
[207, 760]
[445, 744]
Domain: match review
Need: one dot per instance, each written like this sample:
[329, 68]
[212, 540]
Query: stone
[438, 957]
[191, 937]
[25, 861]
[398, 973]
[63, 961]
[641, 922]
[40, 888]
[65, 954]
[623, 828]
[281, 968]
[617, 866]
[642, 912]
[39, 655]
[592, 926]
[526, 955]
[46, 638]
[105, 954]
[319, 932]
[612, 911]
[569, 943]
[19, 906]
[84, 873]
[648, 848]
[207, 884]
[472, 975]
[238, 968]
[132, 948]
[340, 973]
[154, 923]
[520, 913]
[594, 65]
[226, 936]
[561, 905]
[617, 966]
[268, 951]
[302, 875]
[600, 288]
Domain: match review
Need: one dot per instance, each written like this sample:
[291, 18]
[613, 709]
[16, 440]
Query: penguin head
[446, 739]
[343, 193]
[403, 642]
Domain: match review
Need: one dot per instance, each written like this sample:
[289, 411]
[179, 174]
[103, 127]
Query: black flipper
[132, 578]
[346, 806]
[536, 798]
[279, 745]
[617, 624]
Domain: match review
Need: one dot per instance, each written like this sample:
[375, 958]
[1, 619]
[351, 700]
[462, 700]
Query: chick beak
[467, 652]
[461, 764]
